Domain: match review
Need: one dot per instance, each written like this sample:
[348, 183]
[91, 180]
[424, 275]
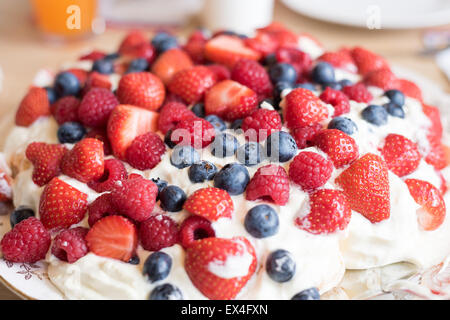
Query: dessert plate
[400, 14]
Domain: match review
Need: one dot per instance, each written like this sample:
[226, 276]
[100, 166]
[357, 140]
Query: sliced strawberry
[381, 78]
[230, 100]
[409, 89]
[436, 154]
[169, 63]
[401, 154]
[132, 39]
[366, 185]
[96, 80]
[171, 114]
[303, 108]
[34, 105]
[367, 61]
[126, 123]
[263, 43]
[208, 268]
[432, 212]
[341, 59]
[228, 50]
[191, 84]
[435, 130]
[340, 147]
[113, 237]
[210, 203]
[61, 205]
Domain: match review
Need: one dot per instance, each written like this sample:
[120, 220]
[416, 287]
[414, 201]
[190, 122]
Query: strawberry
[61, 205]
[144, 50]
[113, 237]
[329, 212]
[141, 89]
[93, 55]
[230, 100]
[195, 47]
[367, 61]
[284, 37]
[85, 161]
[191, 84]
[171, 114]
[228, 50]
[303, 108]
[432, 212]
[169, 63]
[132, 39]
[220, 71]
[206, 260]
[263, 43]
[34, 105]
[366, 186]
[401, 154]
[435, 129]
[381, 78]
[100, 134]
[126, 123]
[5, 183]
[196, 132]
[46, 159]
[96, 80]
[96, 106]
[210, 203]
[436, 154]
[269, 183]
[251, 74]
[340, 147]
[339, 59]
[408, 88]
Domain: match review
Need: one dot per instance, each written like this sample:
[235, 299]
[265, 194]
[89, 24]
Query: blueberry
[67, 84]
[307, 86]
[51, 95]
[161, 184]
[332, 85]
[280, 147]
[278, 89]
[394, 110]
[172, 198]
[375, 114]
[237, 124]
[261, 221]
[282, 72]
[270, 59]
[345, 83]
[103, 66]
[166, 291]
[199, 110]
[323, 73]
[396, 96]
[168, 141]
[217, 123]
[19, 214]
[232, 178]
[138, 65]
[280, 266]
[224, 145]
[71, 132]
[346, 125]
[157, 266]
[202, 171]
[250, 154]
[134, 260]
[163, 41]
[184, 156]
[112, 56]
[307, 294]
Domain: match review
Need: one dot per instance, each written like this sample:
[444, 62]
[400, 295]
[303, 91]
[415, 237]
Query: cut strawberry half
[169, 63]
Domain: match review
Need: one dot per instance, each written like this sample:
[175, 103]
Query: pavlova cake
[224, 167]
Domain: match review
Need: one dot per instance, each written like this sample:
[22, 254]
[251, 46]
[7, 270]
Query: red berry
[93, 55]
[113, 174]
[100, 208]
[340, 147]
[262, 122]
[169, 63]
[96, 107]
[221, 72]
[303, 108]
[251, 74]
[304, 135]
[436, 154]
[96, 80]
[144, 50]
[66, 109]
[81, 75]
[310, 170]
[210, 203]
[100, 134]
[70, 245]
[158, 232]
[34, 105]
[195, 228]
[191, 84]
[195, 47]
[171, 114]
[408, 88]
[145, 151]
[337, 99]
[367, 61]
[270, 183]
[133, 39]
[381, 78]
[340, 59]
[358, 92]
[301, 61]
[435, 130]
[196, 132]
[401, 154]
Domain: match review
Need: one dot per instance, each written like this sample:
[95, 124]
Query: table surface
[23, 52]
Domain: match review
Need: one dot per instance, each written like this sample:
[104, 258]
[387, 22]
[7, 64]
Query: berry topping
[195, 228]
[172, 198]
[343, 124]
[381, 78]
[323, 73]
[191, 84]
[358, 92]
[409, 89]
[304, 135]
[436, 154]
[280, 266]
[202, 171]
[70, 245]
[100, 208]
[260, 124]
[71, 132]
[19, 214]
[113, 174]
[261, 221]
[394, 110]
[34, 105]
[401, 154]
[184, 156]
[337, 99]
[250, 154]
[138, 65]
[283, 73]
[96, 107]
[210, 203]
[270, 183]
[232, 178]
[103, 66]
[171, 114]
[157, 266]
[166, 291]
[367, 61]
[158, 232]
[375, 114]
[251, 74]
[280, 147]
[67, 84]
[307, 294]
[310, 170]
[163, 41]
[303, 108]
[145, 151]
[224, 145]
[66, 109]
[340, 147]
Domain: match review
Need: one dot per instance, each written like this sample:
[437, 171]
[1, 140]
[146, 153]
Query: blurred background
[412, 34]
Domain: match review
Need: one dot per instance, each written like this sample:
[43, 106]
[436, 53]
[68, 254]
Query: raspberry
[113, 174]
[171, 114]
[301, 61]
[96, 107]
[310, 170]
[158, 232]
[263, 122]
[66, 109]
[70, 245]
[100, 134]
[337, 99]
[100, 208]
[304, 135]
[303, 108]
[221, 72]
[269, 183]
[145, 151]
[196, 132]
[195, 228]
[251, 74]
[27, 242]
[357, 92]
[135, 198]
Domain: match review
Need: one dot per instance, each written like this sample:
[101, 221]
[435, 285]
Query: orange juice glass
[65, 19]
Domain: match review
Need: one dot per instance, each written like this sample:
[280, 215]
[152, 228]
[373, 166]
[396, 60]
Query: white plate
[391, 14]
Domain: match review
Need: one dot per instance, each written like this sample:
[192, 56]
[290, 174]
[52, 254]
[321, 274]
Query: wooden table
[23, 53]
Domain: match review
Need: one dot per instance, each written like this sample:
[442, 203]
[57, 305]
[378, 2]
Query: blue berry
[163, 41]
[202, 171]
[166, 291]
[250, 154]
[112, 56]
[261, 221]
[67, 84]
[280, 147]
[184, 156]
[168, 140]
[232, 178]
[280, 266]
[103, 66]
[307, 294]
[270, 59]
[375, 114]
[396, 96]
[199, 110]
[51, 95]
[332, 85]
[236, 124]
[307, 86]
[19, 214]
[345, 83]
[217, 123]
[71, 132]
[346, 125]
[394, 110]
[282, 72]
[224, 145]
[138, 65]
[157, 266]
[172, 198]
[161, 184]
[134, 260]
[322, 73]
